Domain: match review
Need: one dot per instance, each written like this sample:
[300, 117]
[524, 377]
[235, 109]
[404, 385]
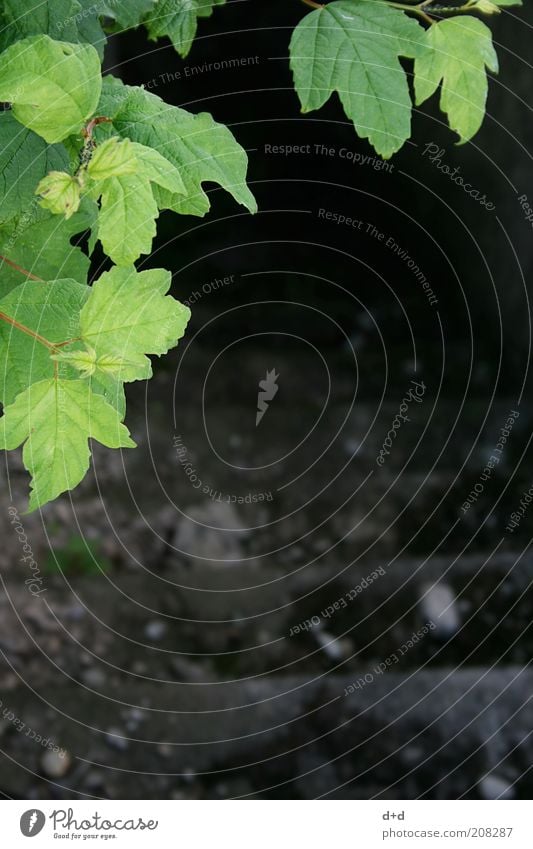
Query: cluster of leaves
[81, 153]
[89, 21]
[354, 47]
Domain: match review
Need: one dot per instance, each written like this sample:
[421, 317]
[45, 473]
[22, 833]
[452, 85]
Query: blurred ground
[161, 656]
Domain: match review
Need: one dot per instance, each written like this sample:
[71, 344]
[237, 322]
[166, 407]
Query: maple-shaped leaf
[40, 242]
[129, 315]
[459, 51]
[25, 158]
[126, 223]
[353, 47]
[51, 312]
[123, 173]
[54, 420]
[200, 149]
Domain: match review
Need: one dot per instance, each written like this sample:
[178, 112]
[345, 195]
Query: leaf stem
[22, 270]
[22, 327]
[417, 10]
[87, 131]
[313, 4]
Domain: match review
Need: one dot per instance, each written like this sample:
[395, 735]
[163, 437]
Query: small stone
[439, 606]
[335, 649]
[116, 740]
[9, 681]
[94, 780]
[188, 775]
[56, 764]
[133, 718]
[155, 630]
[352, 446]
[495, 787]
[187, 671]
[75, 613]
[93, 677]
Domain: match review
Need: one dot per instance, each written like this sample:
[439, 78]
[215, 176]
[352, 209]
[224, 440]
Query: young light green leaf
[157, 169]
[486, 7]
[40, 242]
[126, 224]
[199, 148]
[49, 310]
[24, 159]
[82, 359]
[111, 389]
[55, 419]
[129, 207]
[113, 158]
[353, 47]
[87, 362]
[128, 315]
[60, 193]
[179, 20]
[53, 86]
[459, 50]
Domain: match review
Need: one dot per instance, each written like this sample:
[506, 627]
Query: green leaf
[60, 193]
[24, 159]
[111, 389]
[199, 148]
[83, 360]
[459, 50]
[50, 310]
[55, 419]
[157, 169]
[113, 158]
[89, 28]
[64, 20]
[128, 315]
[179, 20]
[53, 86]
[129, 208]
[22, 18]
[127, 13]
[126, 224]
[353, 47]
[39, 242]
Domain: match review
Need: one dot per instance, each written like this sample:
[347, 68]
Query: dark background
[160, 656]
